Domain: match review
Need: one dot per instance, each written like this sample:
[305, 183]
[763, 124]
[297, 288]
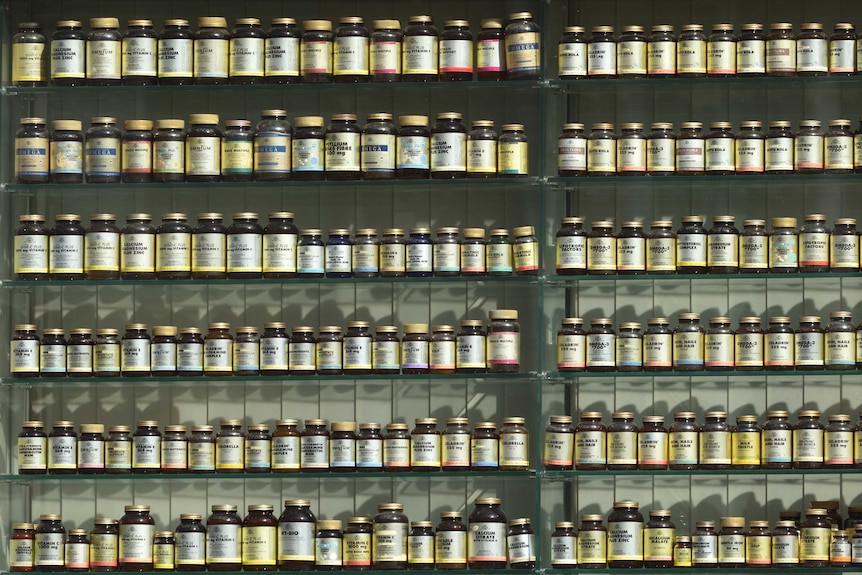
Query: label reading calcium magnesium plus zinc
[625, 541]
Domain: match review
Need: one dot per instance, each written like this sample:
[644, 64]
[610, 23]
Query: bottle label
[661, 58]
[273, 353]
[314, 452]
[484, 453]
[446, 257]
[329, 355]
[691, 250]
[745, 448]
[310, 259]
[102, 157]
[48, 549]
[271, 153]
[174, 454]
[631, 58]
[814, 249]
[386, 355]
[24, 356]
[758, 550]
[704, 549]
[844, 251]
[514, 451]
[420, 549]
[385, 57]
[690, 155]
[244, 253]
[342, 453]
[31, 157]
[590, 448]
[163, 556]
[419, 257]
[512, 158]
[296, 541]
[31, 254]
[392, 258]
[138, 253]
[103, 59]
[303, 356]
[721, 57]
[811, 55]
[146, 452]
[315, 57]
[163, 356]
[357, 352]
[652, 450]
[173, 252]
[809, 349]
[246, 356]
[625, 541]
[660, 155]
[139, 57]
[389, 542]
[357, 549]
[425, 450]
[449, 152]
[223, 544]
[209, 252]
[378, 153]
[456, 56]
[753, 253]
[32, 453]
[808, 152]
[682, 447]
[572, 154]
[136, 543]
[838, 448]
[67, 157]
[419, 55]
[719, 155]
[777, 445]
[749, 155]
[342, 152]
[841, 56]
[504, 348]
[308, 155]
[369, 454]
[601, 254]
[749, 350]
[338, 258]
[688, 348]
[118, 455]
[176, 57]
[658, 543]
[103, 550]
[190, 357]
[564, 551]
[751, 57]
[558, 449]
[571, 351]
[808, 445]
[396, 453]
[657, 350]
[67, 59]
[600, 350]
[442, 355]
[473, 257]
[622, 447]
[52, 359]
[327, 552]
[572, 58]
[718, 349]
[470, 351]
[631, 155]
[135, 355]
[285, 452]
[715, 448]
[779, 154]
[281, 57]
[839, 152]
[456, 450]
[840, 348]
[526, 256]
[450, 547]
[77, 556]
[489, 55]
[499, 258]
[691, 57]
[520, 548]
[661, 254]
[212, 57]
[486, 542]
[202, 156]
[630, 254]
[246, 57]
[601, 59]
[412, 152]
[592, 547]
[731, 548]
[601, 156]
[814, 543]
[840, 551]
[218, 355]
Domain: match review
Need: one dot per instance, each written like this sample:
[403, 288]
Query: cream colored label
[389, 542]
[136, 543]
[66, 254]
[104, 550]
[237, 157]
[601, 254]
[625, 541]
[838, 448]
[279, 253]
[31, 254]
[631, 155]
[590, 448]
[808, 152]
[420, 550]
[661, 58]
[514, 450]
[103, 59]
[844, 251]
[223, 544]
[622, 448]
[714, 447]
[630, 254]
[592, 547]
[629, 352]
[315, 57]
[751, 56]
[718, 349]
[809, 349]
[342, 152]
[450, 547]
[688, 348]
[571, 351]
[683, 447]
[719, 155]
[486, 542]
[168, 157]
[138, 253]
[558, 449]
[425, 450]
[357, 549]
[745, 448]
[229, 453]
[272, 152]
[721, 57]
[24, 356]
[661, 254]
[758, 550]
[814, 249]
[731, 548]
[484, 453]
[173, 252]
[281, 57]
[203, 156]
[296, 541]
[244, 253]
[139, 57]
[163, 556]
[812, 55]
[808, 445]
[839, 152]
[102, 251]
[652, 449]
[814, 543]
[776, 446]
[601, 59]
[212, 58]
[208, 252]
[778, 349]
[146, 452]
[385, 58]
[658, 543]
[67, 58]
[350, 56]
[601, 156]
[246, 59]
[218, 355]
[32, 453]
[691, 57]
[526, 256]
[840, 348]
[420, 55]
[723, 250]
[749, 350]
[600, 350]
[285, 452]
[48, 550]
[258, 545]
[631, 58]
[175, 58]
[691, 250]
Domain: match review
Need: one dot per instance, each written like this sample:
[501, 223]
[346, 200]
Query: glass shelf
[569, 281]
[454, 280]
[33, 382]
[737, 571]
[436, 572]
[757, 83]
[573, 474]
[89, 188]
[557, 377]
[400, 476]
[584, 182]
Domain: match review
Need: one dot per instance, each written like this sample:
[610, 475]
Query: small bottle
[328, 545]
[490, 51]
[521, 544]
[164, 558]
[420, 545]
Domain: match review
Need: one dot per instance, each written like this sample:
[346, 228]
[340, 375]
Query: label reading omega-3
[749, 350]
[809, 349]
[661, 254]
[844, 251]
[601, 254]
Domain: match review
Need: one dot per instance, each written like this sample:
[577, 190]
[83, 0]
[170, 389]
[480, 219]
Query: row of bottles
[315, 449]
[721, 249]
[245, 249]
[286, 54]
[186, 352]
[627, 541]
[271, 151]
[714, 445]
[692, 347]
[719, 152]
[721, 54]
[294, 541]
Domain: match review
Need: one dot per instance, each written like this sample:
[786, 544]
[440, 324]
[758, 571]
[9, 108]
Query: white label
[357, 353]
[385, 58]
[203, 156]
[486, 542]
[504, 348]
[448, 152]
[365, 257]
[456, 56]
[173, 252]
[839, 152]
[338, 259]
[841, 56]
[146, 452]
[396, 453]
[704, 549]
[419, 257]
[572, 59]
[176, 57]
[441, 355]
[571, 253]
[32, 453]
[310, 259]
[67, 58]
[600, 350]
[625, 540]
[489, 55]
[328, 355]
[719, 155]
[424, 450]
[208, 252]
[470, 351]
[838, 448]
[602, 59]
[776, 445]
[66, 254]
[723, 250]
[683, 447]
[31, 254]
[484, 453]
[279, 252]
[473, 257]
[412, 152]
[779, 154]
[315, 57]
[211, 58]
[103, 59]
[660, 155]
[809, 349]
[631, 58]
[327, 552]
[296, 541]
[174, 454]
[814, 249]
[273, 353]
[314, 452]
[450, 547]
[378, 153]
[52, 359]
[281, 57]
[753, 253]
[285, 452]
[840, 348]
[811, 55]
[691, 250]
[572, 154]
[350, 56]
[136, 543]
[244, 253]
[138, 253]
[246, 57]
[520, 548]
[601, 156]
[419, 55]
[369, 453]
[342, 453]
[342, 152]
[690, 155]
[136, 355]
[218, 355]
[189, 548]
[139, 57]
[190, 357]
[446, 257]
[48, 550]
[223, 544]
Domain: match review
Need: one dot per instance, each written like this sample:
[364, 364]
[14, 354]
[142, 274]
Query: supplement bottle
[420, 52]
[486, 541]
[139, 54]
[626, 536]
[490, 51]
[281, 52]
[456, 52]
[68, 54]
[246, 53]
[212, 52]
[175, 57]
[104, 52]
[522, 43]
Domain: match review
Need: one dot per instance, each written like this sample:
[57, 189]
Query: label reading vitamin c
[419, 55]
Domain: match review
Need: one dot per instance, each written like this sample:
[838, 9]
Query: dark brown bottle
[212, 51]
[136, 539]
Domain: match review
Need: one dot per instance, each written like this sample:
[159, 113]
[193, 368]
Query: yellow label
[758, 550]
[163, 556]
[357, 549]
[814, 544]
[27, 62]
[512, 158]
[745, 449]
[658, 544]
[258, 545]
[681, 556]
[592, 547]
